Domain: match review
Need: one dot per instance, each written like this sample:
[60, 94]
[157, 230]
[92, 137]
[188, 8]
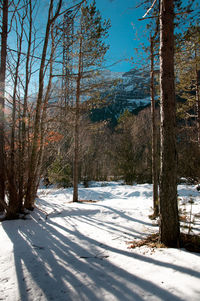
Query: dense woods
[52, 84]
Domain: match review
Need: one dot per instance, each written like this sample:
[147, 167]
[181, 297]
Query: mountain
[132, 93]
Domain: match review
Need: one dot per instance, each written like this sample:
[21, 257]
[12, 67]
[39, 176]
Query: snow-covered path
[80, 252]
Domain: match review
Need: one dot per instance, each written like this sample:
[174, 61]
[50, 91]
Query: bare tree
[32, 180]
[4, 35]
[23, 128]
[15, 204]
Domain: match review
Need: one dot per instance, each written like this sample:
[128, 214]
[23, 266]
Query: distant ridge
[132, 93]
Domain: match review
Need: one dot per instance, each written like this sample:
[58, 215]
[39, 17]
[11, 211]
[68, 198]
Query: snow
[79, 251]
[129, 88]
[140, 102]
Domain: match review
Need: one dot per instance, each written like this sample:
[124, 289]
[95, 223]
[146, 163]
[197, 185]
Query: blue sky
[126, 32]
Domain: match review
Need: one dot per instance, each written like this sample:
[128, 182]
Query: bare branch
[157, 16]
[149, 9]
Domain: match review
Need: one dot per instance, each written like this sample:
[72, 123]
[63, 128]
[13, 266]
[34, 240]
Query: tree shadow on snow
[54, 262]
[123, 215]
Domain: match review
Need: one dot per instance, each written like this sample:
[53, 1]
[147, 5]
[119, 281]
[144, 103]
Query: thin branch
[33, 56]
[149, 9]
[157, 16]
[71, 8]
[91, 71]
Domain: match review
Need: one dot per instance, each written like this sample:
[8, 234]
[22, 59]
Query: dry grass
[85, 201]
[151, 241]
[189, 242]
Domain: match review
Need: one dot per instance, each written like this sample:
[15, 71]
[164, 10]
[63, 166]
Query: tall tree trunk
[169, 220]
[15, 205]
[23, 160]
[154, 138]
[197, 95]
[4, 35]
[76, 127]
[44, 113]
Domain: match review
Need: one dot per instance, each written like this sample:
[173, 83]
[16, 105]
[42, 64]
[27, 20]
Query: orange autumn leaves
[53, 137]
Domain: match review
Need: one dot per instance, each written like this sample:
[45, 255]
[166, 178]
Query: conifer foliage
[91, 50]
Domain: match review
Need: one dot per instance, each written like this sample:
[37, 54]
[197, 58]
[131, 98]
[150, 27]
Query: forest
[67, 122]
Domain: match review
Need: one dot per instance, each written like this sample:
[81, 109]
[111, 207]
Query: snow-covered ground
[78, 251]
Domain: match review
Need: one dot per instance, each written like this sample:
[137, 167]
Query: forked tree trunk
[31, 185]
[24, 149]
[34, 159]
[4, 35]
[169, 220]
[15, 205]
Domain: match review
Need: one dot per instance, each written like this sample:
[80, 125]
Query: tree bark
[15, 205]
[169, 220]
[197, 95]
[44, 112]
[76, 127]
[4, 35]
[24, 138]
[154, 138]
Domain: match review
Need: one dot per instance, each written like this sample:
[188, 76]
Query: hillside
[132, 93]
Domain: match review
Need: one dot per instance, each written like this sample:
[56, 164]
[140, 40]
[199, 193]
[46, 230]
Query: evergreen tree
[188, 78]
[91, 50]
[169, 219]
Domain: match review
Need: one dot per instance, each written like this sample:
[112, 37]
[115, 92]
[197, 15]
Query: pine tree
[91, 51]
[188, 77]
[169, 220]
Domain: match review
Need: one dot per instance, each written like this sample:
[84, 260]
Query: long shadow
[90, 220]
[111, 227]
[65, 265]
[122, 214]
[181, 269]
[85, 212]
[44, 258]
[187, 192]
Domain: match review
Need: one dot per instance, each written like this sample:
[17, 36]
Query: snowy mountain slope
[131, 93]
